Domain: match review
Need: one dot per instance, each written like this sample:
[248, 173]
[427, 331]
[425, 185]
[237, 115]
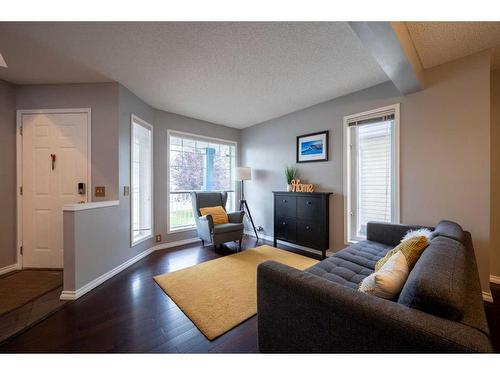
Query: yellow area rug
[220, 294]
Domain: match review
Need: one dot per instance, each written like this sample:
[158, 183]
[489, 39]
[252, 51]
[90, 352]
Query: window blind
[374, 177]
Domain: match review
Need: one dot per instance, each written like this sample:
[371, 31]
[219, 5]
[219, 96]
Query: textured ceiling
[236, 74]
[439, 42]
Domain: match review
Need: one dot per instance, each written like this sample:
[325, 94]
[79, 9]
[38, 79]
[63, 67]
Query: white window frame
[173, 132]
[348, 188]
[137, 120]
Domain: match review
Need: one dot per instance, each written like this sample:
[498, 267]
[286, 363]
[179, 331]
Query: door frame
[19, 164]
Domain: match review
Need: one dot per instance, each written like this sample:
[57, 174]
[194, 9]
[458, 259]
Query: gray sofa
[440, 308]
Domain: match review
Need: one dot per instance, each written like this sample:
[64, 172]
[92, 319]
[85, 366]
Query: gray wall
[164, 121]
[445, 152]
[7, 174]
[495, 174]
[98, 240]
[102, 98]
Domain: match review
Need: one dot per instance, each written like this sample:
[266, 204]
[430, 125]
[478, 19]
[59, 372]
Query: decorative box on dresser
[302, 219]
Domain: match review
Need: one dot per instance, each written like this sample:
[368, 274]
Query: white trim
[179, 230]
[227, 141]
[134, 119]
[181, 133]
[168, 245]
[487, 297]
[19, 164]
[495, 279]
[347, 161]
[73, 295]
[7, 269]
[289, 244]
[89, 206]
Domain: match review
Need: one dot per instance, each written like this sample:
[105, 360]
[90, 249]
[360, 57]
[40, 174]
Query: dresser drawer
[286, 228]
[285, 205]
[309, 233]
[308, 208]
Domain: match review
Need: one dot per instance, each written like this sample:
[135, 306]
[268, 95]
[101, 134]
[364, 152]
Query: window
[141, 171]
[197, 163]
[371, 170]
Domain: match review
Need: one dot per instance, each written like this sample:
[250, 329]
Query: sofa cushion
[411, 248]
[350, 266]
[436, 284]
[451, 230]
[364, 253]
[388, 281]
[228, 227]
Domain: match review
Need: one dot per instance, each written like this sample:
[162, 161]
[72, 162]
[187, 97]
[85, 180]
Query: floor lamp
[244, 174]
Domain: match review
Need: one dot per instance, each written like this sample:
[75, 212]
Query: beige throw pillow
[389, 280]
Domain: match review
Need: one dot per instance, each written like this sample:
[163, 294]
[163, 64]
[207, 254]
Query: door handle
[81, 188]
[53, 160]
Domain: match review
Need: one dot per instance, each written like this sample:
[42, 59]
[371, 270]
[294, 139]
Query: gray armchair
[216, 234]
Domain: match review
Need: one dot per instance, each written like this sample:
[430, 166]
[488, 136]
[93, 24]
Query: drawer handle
[308, 227]
[309, 202]
[284, 200]
[283, 223]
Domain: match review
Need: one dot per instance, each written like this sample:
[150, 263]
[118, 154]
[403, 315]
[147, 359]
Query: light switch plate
[158, 238]
[100, 191]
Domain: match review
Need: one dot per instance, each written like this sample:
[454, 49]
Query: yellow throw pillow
[411, 248]
[218, 214]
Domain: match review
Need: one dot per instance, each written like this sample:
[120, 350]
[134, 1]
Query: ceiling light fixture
[3, 64]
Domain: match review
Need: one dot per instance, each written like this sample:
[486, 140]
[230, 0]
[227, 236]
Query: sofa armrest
[301, 312]
[236, 217]
[387, 233]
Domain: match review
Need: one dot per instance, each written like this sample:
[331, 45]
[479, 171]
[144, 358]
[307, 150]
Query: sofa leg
[215, 247]
[202, 243]
[239, 245]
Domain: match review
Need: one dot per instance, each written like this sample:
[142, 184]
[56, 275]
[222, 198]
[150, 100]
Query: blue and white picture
[312, 147]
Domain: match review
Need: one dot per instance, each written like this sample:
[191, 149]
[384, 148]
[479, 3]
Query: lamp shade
[243, 173]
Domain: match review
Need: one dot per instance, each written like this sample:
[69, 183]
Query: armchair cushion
[227, 228]
[218, 214]
[236, 217]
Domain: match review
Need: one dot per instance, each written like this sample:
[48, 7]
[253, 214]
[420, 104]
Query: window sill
[140, 240]
[180, 230]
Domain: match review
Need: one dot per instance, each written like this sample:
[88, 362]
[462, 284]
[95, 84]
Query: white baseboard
[8, 269]
[271, 239]
[487, 297]
[75, 294]
[168, 245]
[494, 279]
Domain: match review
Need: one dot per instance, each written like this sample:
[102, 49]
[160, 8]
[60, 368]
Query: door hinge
[21, 130]
[20, 190]
[21, 250]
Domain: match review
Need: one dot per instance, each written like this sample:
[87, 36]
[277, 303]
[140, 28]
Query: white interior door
[47, 184]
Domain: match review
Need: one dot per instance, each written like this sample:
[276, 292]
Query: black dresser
[302, 219]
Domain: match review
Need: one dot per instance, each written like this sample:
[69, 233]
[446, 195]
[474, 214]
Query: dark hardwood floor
[130, 313]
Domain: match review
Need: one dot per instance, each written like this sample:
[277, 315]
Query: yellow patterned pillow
[411, 248]
[218, 214]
